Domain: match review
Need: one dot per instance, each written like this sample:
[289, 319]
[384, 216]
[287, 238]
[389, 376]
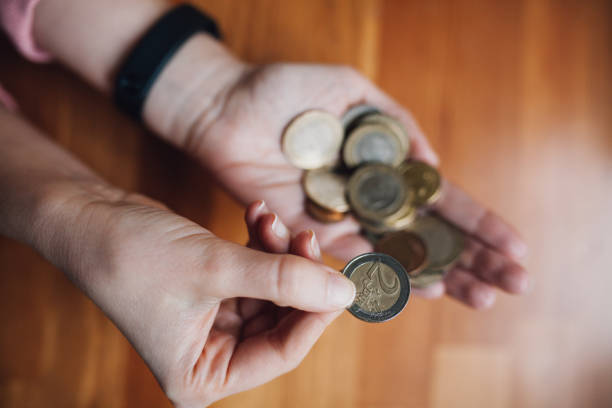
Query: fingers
[465, 287]
[258, 325]
[248, 308]
[251, 215]
[261, 358]
[420, 147]
[467, 214]
[305, 244]
[340, 239]
[286, 280]
[346, 247]
[493, 267]
[266, 231]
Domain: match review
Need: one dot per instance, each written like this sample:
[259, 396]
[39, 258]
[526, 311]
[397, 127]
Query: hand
[242, 147]
[231, 117]
[209, 317]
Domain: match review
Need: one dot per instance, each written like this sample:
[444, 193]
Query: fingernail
[314, 245]
[487, 298]
[340, 290]
[279, 228]
[518, 249]
[515, 282]
[261, 204]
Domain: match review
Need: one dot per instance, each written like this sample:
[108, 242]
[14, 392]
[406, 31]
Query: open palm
[243, 149]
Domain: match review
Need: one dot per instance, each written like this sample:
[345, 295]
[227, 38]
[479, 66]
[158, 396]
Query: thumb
[286, 280]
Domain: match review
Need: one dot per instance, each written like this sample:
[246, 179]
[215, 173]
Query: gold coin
[321, 214]
[375, 139]
[326, 189]
[424, 180]
[403, 217]
[408, 248]
[395, 222]
[313, 139]
[376, 191]
[444, 242]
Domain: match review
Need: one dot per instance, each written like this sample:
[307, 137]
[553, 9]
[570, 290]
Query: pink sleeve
[17, 18]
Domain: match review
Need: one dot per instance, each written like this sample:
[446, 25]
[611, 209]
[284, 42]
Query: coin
[376, 191]
[444, 242]
[392, 124]
[313, 139]
[372, 143]
[327, 189]
[321, 214]
[375, 137]
[403, 217]
[424, 180]
[354, 113]
[427, 277]
[383, 286]
[406, 247]
[395, 222]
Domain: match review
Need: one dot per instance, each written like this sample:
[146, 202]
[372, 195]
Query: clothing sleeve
[17, 19]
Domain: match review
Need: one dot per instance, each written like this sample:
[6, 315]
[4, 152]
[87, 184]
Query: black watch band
[151, 54]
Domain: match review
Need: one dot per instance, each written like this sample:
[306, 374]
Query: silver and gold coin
[424, 180]
[321, 214]
[376, 138]
[376, 191]
[383, 286]
[444, 242]
[355, 113]
[395, 222]
[313, 139]
[407, 247]
[327, 189]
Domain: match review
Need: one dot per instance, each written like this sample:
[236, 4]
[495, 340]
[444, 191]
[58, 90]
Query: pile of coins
[357, 165]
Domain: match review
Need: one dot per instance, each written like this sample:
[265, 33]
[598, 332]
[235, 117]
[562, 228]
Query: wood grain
[517, 99]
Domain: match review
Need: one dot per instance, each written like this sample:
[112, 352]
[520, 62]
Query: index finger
[463, 211]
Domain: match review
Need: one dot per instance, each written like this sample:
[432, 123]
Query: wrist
[92, 38]
[190, 92]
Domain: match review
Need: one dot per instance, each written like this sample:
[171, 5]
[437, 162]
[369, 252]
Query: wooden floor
[517, 98]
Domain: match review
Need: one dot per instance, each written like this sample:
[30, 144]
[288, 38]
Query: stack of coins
[357, 164]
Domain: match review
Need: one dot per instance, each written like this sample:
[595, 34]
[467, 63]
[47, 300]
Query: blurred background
[516, 96]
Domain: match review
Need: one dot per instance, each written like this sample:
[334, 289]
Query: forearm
[93, 38]
[42, 190]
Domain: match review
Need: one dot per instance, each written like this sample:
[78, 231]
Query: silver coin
[312, 139]
[356, 112]
[383, 287]
[376, 191]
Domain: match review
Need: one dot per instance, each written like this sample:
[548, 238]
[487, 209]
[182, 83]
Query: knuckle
[287, 282]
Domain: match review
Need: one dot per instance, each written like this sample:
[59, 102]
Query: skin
[209, 317]
[230, 115]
